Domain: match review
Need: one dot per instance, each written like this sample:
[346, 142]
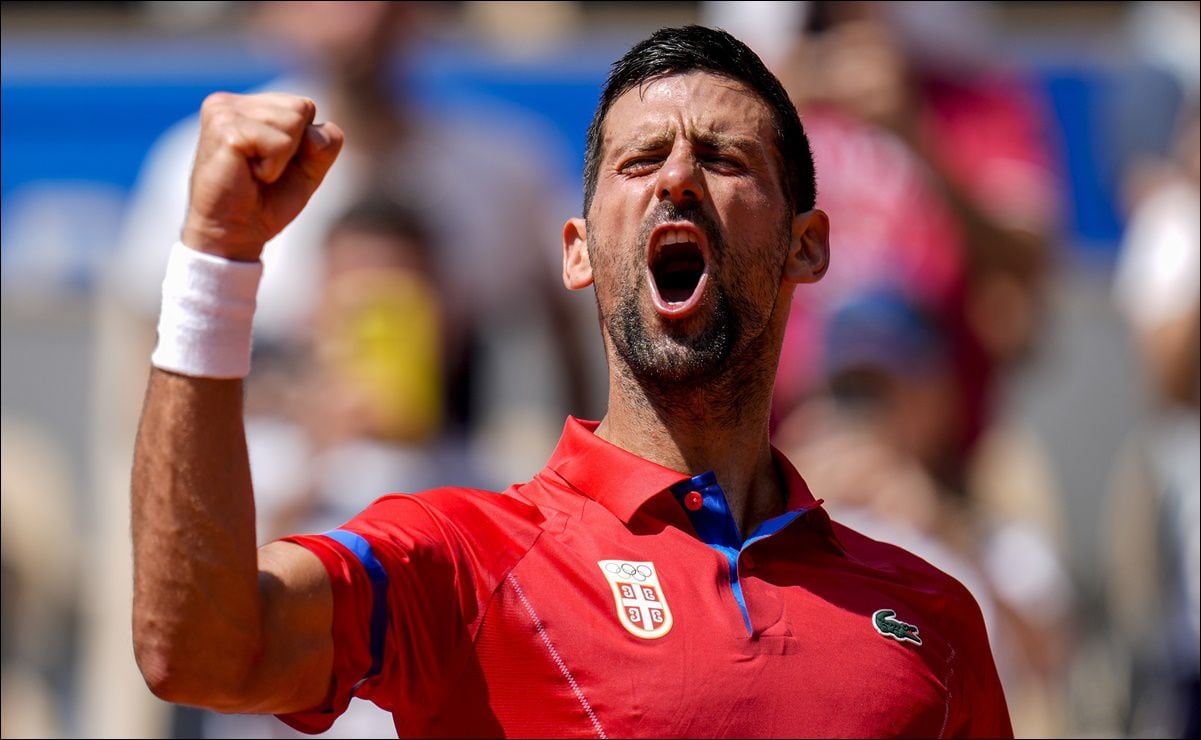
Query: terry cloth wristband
[204, 328]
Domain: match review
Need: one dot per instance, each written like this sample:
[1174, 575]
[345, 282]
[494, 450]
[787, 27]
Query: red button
[694, 501]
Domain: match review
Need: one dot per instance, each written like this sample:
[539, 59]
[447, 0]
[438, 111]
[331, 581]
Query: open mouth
[677, 269]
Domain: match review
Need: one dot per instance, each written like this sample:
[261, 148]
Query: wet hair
[686, 49]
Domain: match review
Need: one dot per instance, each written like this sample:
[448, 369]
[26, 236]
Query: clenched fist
[259, 160]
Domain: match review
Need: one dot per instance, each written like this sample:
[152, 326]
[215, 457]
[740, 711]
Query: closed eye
[641, 165]
[723, 162]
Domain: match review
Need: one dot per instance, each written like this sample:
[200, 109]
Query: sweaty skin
[701, 142]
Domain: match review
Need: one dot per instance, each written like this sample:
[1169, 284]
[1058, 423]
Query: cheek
[750, 213]
[757, 221]
[756, 252]
[613, 272]
[616, 239]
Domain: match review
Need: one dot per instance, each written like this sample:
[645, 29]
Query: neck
[719, 425]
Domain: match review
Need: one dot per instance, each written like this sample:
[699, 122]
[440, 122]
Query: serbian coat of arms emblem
[641, 606]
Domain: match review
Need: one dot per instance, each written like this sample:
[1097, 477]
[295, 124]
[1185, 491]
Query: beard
[676, 359]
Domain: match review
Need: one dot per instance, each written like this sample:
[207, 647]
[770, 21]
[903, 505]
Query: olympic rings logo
[639, 573]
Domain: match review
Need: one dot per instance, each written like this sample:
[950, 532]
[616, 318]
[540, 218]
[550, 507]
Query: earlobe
[577, 266]
[809, 250]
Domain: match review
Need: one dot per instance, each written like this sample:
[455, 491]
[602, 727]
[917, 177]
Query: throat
[740, 458]
[678, 279]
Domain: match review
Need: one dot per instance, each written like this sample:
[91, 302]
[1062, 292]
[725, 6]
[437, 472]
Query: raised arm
[217, 623]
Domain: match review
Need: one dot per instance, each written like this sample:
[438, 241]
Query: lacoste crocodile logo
[888, 625]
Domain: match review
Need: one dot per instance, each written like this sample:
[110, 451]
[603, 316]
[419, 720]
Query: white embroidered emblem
[641, 605]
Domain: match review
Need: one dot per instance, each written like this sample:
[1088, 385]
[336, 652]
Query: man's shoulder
[901, 566]
[489, 530]
[463, 504]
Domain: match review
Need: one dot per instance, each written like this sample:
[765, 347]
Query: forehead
[699, 102]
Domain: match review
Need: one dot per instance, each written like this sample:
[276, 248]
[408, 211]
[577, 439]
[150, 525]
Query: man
[615, 593]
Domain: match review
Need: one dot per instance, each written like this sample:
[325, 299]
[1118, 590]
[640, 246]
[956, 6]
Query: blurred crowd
[412, 331]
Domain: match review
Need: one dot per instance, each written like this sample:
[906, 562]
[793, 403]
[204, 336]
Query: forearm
[213, 625]
[197, 612]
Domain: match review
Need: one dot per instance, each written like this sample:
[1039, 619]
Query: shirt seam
[562, 482]
[556, 658]
[486, 606]
[946, 715]
[568, 484]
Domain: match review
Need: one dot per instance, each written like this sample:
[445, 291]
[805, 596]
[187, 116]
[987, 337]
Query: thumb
[318, 150]
[285, 198]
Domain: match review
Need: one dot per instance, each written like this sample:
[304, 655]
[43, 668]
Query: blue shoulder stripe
[379, 592]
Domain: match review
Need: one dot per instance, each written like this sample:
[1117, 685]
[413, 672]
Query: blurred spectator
[1154, 511]
[485, 189]
[871, 441]
[866, 441]
[39, 583]
[934, 164]
[372, 401]
[1159, 271]
[494, 215]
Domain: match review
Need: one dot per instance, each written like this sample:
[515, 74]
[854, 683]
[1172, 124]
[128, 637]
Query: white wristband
[204, 329]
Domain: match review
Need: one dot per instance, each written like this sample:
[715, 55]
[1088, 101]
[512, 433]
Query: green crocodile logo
[888, 625]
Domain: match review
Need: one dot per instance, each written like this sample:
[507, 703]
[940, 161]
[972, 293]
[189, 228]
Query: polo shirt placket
[705, 503]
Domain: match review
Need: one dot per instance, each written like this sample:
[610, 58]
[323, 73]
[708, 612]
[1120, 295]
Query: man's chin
[669, 352]
[687, 334]
[679, 355]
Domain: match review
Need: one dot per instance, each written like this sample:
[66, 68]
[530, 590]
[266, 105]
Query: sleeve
[398, 620]
[978, 704]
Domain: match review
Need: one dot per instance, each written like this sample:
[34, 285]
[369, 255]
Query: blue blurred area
[78, 119]
[90, 111]
[561, 89]
[1106, 115]
[84, 114]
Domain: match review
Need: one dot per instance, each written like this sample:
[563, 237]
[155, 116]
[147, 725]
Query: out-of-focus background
[1000, 371]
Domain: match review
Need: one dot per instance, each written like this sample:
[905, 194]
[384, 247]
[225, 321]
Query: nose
[680, 178]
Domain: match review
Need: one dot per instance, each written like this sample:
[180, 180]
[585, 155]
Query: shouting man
[666, 574]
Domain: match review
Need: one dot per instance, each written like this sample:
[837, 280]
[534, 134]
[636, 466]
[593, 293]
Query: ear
[577, 267]
[809, 249]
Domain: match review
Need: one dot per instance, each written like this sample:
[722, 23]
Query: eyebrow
[645, 142]
[708, 139]
[718, 140]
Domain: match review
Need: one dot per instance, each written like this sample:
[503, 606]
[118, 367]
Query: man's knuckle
[216, 101]
[299, 112]
[234, 137]
[222, 120]
[304, 106]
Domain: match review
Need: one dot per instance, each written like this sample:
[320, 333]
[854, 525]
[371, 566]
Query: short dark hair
[386, 215]
[697, 48]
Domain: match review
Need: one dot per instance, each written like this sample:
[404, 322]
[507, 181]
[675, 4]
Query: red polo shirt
[611, 596]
